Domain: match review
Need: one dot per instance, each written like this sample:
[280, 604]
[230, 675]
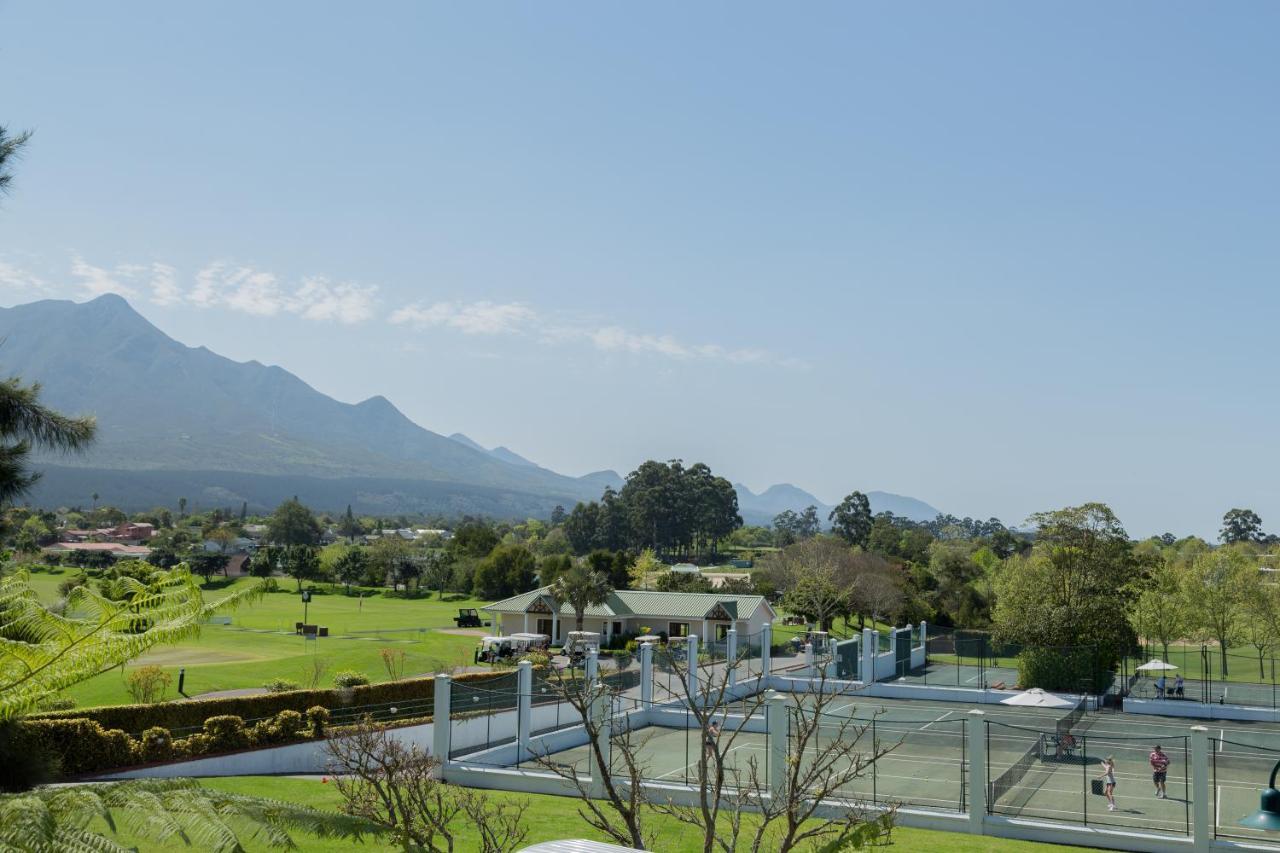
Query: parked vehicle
[494, 649]
[468, 617]
[578, 643]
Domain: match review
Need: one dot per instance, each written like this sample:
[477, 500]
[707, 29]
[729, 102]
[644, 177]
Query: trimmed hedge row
[83, 746]
[193, 713]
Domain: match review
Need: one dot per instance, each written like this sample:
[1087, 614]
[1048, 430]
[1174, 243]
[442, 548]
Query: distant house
[132, 532]
[239, 545]
[709, 615]
[255, 531]
[117, 550]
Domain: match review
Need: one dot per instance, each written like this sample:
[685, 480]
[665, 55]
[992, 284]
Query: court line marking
[940, 719]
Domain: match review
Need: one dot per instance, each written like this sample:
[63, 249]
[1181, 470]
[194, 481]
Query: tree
[182, 507]
[300, 562]
[1213, 588]
[26, 425]
[507, 571]
[1261, 600]
[473, 539]
[645, 570]
[349, 527]
[580, 588]
[1161, 612]
[580, 526]
[852, 519]
[437, 570]
[1241, 525]
[552, 567]
[394, 785]
[558, 516]
[1068, 602]
[350, 567]
[809, 525]
[11, 146]
[293, 524]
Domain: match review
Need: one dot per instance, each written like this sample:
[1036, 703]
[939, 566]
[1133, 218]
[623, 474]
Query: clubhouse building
[709, 615]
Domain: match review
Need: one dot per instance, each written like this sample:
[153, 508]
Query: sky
[1002, 257]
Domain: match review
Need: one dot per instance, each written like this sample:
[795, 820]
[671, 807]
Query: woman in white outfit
[1108, 777]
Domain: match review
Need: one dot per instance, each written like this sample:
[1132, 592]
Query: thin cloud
[261, 294]
[470, 318]
[14, 277]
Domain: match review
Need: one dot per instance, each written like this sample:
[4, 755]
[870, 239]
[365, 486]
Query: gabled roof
[634, 602]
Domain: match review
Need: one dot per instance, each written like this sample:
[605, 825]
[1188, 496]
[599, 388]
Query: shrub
[176, 716]
[288, 724]
[157, 744]
[81, 746]
[57, 703]
[27, 762]
[280, 685]
[226, 732]
[147, 684]
[318, 718]
[350, 678]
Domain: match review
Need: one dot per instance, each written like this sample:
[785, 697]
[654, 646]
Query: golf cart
[468, 617]
[578, 643]
[494, 649]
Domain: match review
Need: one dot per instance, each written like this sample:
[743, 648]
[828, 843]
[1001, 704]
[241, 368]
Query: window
[544, 627]
[722, 632]
[617, 628]
[677, 629]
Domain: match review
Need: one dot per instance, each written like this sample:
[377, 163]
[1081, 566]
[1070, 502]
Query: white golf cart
[578, 643]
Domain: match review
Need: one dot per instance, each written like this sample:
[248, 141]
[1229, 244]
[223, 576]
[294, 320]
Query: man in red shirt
[1159, 770]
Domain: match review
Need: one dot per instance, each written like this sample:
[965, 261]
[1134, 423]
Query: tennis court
[1040, 763]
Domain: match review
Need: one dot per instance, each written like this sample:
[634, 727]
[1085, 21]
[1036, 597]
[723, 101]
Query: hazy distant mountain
[499, 452]
[761, 508]
[164, 407]
[177, 421]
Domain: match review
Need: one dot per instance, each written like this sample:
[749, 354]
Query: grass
[549, 818]
[240, 655]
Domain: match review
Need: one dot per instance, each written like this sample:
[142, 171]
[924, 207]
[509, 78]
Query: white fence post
[977, 781]
[524, 707]
[808, 660]
[869, 646]
[775, 705]
[646, 675]
[1201, 823]
[766, 649]
[602, 713]
[692, 686]
[591, 667]
[440, 729]
[731, 656]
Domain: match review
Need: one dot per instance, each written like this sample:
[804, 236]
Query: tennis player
[1159, 770]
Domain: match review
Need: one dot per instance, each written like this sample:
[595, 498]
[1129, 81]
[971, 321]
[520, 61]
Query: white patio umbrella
[1037, 698]
[1154, 665]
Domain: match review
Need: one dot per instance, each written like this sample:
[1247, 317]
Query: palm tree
[26, 424]
[580, 588]
[10, 145]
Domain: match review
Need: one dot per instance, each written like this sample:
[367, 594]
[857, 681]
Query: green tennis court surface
[931, 748]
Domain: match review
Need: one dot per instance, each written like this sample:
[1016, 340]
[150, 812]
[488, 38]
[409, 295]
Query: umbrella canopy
[1037, 698]
[1155, 666]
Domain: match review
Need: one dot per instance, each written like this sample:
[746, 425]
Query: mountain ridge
[168, 411]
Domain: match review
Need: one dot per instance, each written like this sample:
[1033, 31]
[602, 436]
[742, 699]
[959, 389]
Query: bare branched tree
[620, 815]
[393, 785]
[826, 754]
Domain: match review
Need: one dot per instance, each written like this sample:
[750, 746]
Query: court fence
[1250, 681]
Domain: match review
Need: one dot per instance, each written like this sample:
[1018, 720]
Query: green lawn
[240, 655]
[550, 818]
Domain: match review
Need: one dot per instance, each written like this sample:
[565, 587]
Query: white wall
[1199, 710]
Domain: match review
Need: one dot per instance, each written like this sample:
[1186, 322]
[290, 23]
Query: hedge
[180, 715]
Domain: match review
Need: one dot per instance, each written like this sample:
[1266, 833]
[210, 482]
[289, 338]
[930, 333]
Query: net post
[1201, 825]
[775, 705]
[977, 782]
[441, 728]
[524, 708]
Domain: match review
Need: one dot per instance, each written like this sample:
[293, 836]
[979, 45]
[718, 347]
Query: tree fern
[172, 812]
[42, 652]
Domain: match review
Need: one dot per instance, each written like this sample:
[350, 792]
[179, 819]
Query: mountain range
[177, 421]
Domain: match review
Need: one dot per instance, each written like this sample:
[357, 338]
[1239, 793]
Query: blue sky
[1002, 257]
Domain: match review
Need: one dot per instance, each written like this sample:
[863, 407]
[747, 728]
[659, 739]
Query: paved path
[228, 694]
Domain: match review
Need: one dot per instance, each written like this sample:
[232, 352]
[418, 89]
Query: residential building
[709, 615]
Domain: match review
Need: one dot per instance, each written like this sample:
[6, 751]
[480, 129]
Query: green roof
[634, 602]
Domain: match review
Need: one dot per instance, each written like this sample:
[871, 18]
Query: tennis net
[1071, 720]
[1011, 778]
